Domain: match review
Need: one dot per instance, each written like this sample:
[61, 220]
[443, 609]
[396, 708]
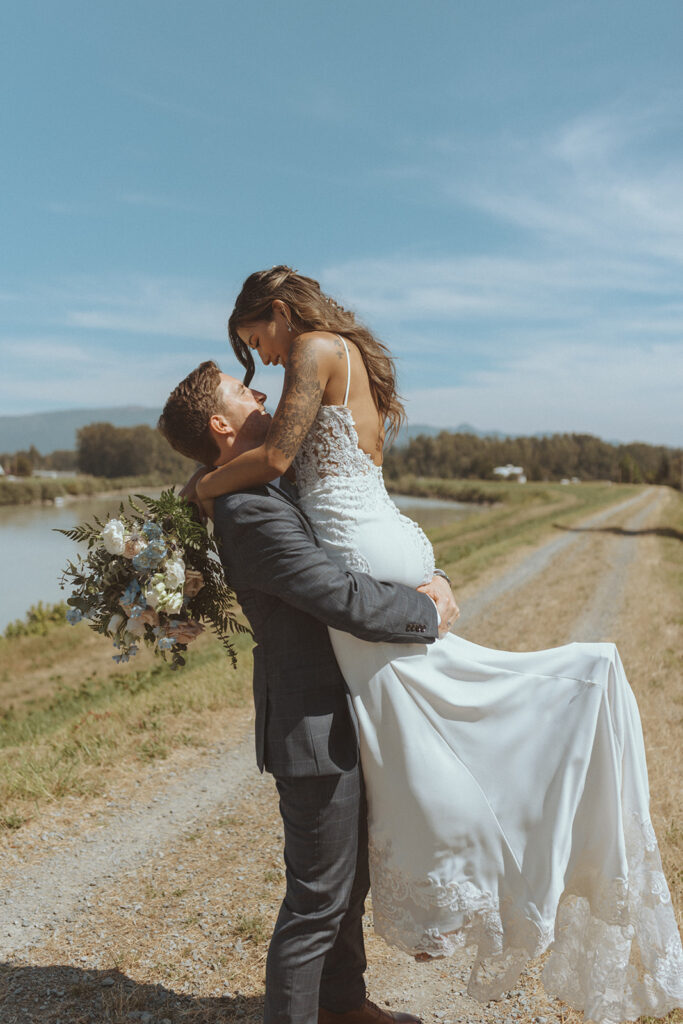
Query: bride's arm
[307, 372]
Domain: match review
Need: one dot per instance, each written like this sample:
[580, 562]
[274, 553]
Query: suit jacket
[291, 592]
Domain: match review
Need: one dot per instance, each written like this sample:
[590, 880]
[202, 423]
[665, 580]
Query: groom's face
[244, 409]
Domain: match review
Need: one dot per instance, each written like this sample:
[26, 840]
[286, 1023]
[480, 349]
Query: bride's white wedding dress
[507, 792]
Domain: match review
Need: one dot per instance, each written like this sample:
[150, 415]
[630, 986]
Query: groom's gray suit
[305, 735]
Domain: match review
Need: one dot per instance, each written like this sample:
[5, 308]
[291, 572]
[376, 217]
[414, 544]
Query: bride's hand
[439, 590]
[189, 492]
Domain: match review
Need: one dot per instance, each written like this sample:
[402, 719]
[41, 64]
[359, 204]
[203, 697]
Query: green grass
[63, 740]
[69, 713]
[32, 490]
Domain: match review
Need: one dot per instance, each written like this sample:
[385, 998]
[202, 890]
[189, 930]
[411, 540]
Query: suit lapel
[278, 492]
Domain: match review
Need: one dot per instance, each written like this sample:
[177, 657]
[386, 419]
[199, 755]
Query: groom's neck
[238, 447]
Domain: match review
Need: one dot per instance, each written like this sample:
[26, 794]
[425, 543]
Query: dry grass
[529, 514]
[184, 937]
[69, 715]
[72, 722]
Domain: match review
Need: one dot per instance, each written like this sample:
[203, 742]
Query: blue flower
[166, 643]
[150, 556]
[131, 592]
[152, 531]
[73, 616]
[136, 611]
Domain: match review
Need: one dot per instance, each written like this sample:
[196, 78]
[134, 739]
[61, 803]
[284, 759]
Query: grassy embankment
[68, 713]
[518, 516]
[35, 490]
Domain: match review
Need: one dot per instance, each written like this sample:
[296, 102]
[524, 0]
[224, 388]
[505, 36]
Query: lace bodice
[331, 449]
[341, 489]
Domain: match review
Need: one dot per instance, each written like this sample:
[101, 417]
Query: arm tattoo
[301, 398]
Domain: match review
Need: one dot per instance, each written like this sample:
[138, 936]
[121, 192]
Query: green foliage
[467, 456]
[105, 450]
[23, 463]
[38, 621]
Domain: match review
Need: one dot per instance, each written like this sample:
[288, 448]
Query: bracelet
[440, 572]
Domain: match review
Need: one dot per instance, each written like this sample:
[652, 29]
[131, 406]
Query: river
[32, 554]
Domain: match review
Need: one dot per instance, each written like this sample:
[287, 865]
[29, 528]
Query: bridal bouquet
[152, 576]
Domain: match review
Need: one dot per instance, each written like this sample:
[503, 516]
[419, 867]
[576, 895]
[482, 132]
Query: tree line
[554, 457]
[104, 450]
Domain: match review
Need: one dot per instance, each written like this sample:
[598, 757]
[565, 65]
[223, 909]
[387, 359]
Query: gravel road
[50, 893]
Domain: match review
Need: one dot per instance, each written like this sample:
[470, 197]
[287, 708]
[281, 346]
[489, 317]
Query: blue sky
[495, 187]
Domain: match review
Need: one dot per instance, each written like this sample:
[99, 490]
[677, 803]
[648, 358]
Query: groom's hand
[441, 594]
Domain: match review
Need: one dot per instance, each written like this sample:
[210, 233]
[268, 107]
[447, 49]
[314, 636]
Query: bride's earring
[289, 327]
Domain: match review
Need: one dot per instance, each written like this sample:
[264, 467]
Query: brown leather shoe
[367, 1013]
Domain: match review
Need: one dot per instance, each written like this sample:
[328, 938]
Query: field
[141, 847]
[34, 490]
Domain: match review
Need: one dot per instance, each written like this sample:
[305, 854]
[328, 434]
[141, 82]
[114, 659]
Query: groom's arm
[266, 546]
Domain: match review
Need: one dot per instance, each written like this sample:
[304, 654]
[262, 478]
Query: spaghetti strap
[348, 367]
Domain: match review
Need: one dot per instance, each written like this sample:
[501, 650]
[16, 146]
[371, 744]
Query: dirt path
[522, 573]
[157, 905]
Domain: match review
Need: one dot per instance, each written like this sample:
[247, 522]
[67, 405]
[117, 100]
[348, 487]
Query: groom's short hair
[188, 410]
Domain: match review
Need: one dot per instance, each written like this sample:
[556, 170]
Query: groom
[305, 730]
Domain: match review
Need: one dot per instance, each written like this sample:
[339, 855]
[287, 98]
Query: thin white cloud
[68, 375]
[468, 290]
[50, 352]
[601, 181]
[149, 307]
[621, 394]
[156, 201]
[173, 107]
[66, 209]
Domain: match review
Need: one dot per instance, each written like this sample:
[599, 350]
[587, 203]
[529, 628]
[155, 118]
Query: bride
[507, 792]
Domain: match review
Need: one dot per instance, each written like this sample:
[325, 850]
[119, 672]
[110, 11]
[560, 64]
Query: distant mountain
[411, 430]
[49, 431]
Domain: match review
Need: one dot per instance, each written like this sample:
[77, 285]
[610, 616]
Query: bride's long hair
[312, 310]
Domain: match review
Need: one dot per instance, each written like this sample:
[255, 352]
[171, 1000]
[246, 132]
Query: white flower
[114, 623]
[114, 537]
[155, 593]
[173, 602]
[135, 627]
[174, 575]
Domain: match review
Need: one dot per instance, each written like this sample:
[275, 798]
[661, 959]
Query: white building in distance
[511, 472]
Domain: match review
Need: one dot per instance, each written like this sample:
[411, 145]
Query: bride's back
[353, 376]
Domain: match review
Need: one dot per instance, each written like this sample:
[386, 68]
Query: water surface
[32, 555]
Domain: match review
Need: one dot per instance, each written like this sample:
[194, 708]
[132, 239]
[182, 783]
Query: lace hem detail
[615, 957]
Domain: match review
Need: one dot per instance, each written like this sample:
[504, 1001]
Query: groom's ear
[220, 425]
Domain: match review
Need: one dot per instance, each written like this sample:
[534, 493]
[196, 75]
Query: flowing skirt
[508, 809]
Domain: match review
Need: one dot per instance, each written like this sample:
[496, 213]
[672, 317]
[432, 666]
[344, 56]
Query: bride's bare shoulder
[323, 343]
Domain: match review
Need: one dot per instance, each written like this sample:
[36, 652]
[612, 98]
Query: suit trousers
[317, 955]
